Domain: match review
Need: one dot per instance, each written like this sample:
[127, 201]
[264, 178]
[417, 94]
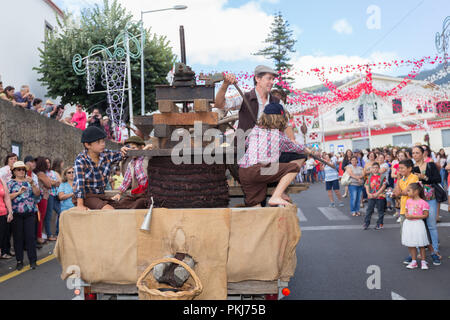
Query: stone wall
[38, 135]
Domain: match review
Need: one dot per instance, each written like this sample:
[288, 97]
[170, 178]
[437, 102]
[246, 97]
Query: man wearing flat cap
[258, 98]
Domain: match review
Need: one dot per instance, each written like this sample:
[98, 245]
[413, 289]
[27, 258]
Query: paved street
[335, 252]
[333, 257]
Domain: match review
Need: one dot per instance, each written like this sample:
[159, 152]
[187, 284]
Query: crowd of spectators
[31, 192]
[78, 119]
[393, 180]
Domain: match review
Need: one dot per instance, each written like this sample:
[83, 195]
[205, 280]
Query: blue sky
[221, 34]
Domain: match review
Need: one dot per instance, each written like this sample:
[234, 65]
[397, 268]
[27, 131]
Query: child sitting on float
[260, 165]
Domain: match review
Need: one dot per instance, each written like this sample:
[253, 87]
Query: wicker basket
[150, 289]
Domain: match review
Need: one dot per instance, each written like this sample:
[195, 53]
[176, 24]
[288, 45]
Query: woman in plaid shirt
[92, 169]
[260, 164]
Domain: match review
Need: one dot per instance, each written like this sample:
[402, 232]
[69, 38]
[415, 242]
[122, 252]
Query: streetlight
[177, 7]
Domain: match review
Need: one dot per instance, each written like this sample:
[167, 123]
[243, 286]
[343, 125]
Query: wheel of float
[187, 185]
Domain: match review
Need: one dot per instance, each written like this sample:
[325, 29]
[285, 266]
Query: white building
[372, 121]
[24, 25]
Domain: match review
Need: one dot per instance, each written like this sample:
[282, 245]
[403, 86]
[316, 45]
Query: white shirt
[235, 102]
[310, 164]
[433, 156]
[386, 173]
[5, 173]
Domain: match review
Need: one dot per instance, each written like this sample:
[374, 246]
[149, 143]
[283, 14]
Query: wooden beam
[167, 106]
[168, 152]
[186, 119]
[253, 287]
[202, 105]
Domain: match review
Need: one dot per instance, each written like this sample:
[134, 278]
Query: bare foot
[273, 202]
[284, 196]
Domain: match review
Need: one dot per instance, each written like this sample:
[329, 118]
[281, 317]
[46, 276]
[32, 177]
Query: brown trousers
[98, 201]
[254, 184]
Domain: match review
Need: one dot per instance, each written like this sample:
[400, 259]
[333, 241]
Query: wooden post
[202, 105]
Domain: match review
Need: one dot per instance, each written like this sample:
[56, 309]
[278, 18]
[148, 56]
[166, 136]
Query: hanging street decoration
[321, 103]
[111, 70]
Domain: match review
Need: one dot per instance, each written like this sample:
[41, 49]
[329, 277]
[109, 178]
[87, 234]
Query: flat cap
[264, 69]
[92, 134]
[136, 140]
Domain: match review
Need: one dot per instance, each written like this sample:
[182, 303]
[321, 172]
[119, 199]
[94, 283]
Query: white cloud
[306, 63]
[212, 33]
[271, 1]
[342, 26]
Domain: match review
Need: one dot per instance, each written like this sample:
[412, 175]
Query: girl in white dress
[414, 233]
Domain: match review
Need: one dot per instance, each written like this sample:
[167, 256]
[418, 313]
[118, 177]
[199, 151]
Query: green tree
[281, 43]
[100, 25]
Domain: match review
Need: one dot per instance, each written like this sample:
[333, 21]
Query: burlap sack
[262, 244]
[101, 243]
[109, 247]
[229, 245]
[201, 233]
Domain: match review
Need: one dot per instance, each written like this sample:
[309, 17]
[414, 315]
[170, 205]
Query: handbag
[346, 179]
[439, 191]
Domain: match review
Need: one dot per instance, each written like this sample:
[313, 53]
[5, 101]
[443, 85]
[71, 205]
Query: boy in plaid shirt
[92, 169]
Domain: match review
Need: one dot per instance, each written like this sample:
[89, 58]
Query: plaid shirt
[90, 178]
[265, 146]
[139, 173]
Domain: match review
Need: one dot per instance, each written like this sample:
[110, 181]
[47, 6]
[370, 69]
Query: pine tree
[281, 44]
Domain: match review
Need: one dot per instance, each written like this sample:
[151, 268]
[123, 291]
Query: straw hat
[49, 102]
[20, 164]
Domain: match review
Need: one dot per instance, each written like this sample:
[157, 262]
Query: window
[316, 124]
[397, 106]
[375, 111]
[340, 114]
[360, 144]
[443, 107]
[361, 113]
[402, 140]
[419, 109]
[445, 138]
[48, 30]
[16, 147]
